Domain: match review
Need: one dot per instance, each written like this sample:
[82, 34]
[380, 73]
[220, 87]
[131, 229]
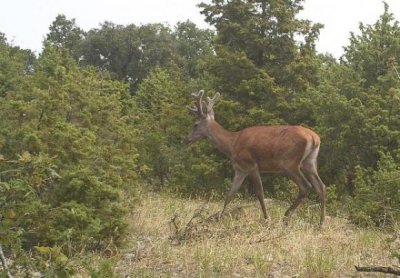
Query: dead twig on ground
[273, 238]
[180, 233]
[382, 269]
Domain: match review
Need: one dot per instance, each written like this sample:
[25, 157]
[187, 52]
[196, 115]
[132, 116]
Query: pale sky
[26, 22]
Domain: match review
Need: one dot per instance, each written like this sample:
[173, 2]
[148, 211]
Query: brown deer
[292, 150]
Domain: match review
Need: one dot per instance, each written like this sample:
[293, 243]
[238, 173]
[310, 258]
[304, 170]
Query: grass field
[174, 237]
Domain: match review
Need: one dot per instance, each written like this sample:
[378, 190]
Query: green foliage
[191, 45]
[127, 52]
[357, 114]
[164, 157]
[53, 262]
[161, 122]
[370, 52]
[14, 64]
[131, 52]
[377, 196]
[106, 269]
[64, 33]
[68, 157]
[265, 31]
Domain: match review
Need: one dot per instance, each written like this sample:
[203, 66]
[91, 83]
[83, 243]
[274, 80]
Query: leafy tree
[131, 52]
[192, 44]
[66, 34]
[128, 52]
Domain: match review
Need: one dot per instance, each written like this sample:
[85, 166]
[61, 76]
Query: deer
[285, 149]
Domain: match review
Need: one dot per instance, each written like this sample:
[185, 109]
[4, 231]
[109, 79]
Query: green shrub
[68, 159]
[377, 195]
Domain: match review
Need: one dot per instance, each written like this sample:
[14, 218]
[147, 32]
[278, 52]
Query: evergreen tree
[372, 53]
[15, 65]
[267, 31]
[67, 153]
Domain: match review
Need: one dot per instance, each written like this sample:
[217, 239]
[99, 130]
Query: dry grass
[163, 244]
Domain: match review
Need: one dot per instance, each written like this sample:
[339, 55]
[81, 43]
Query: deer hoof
[287, 220]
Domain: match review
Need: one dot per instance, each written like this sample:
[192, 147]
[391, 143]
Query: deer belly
[269, 167]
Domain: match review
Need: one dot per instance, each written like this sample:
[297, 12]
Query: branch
[181, 233]
[398, 75]
[382, 269]
[4, 262]
[274, 238]
[3, 258]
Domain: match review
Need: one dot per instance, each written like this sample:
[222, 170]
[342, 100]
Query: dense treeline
[99, 115]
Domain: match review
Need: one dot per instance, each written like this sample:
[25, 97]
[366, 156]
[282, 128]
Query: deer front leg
[237, 182]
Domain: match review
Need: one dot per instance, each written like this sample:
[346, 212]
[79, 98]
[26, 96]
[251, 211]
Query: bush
[377, 196]
[67, 159]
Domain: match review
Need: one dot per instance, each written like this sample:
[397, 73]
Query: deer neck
[221, 138]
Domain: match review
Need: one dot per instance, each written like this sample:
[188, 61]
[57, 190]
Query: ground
[176, 237]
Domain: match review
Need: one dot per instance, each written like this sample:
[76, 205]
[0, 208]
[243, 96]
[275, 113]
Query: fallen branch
[383, 269]
[273, 238]
[181, 233]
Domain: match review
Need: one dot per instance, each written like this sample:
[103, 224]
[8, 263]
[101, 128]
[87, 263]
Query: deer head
[205, 114]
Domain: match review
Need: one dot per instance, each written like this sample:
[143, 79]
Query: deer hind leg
[309, 168]
[297, 176]
[259, 191]
[237, 182]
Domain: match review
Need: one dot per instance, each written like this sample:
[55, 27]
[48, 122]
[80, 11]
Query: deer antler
[212, 101]
[198, 102]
